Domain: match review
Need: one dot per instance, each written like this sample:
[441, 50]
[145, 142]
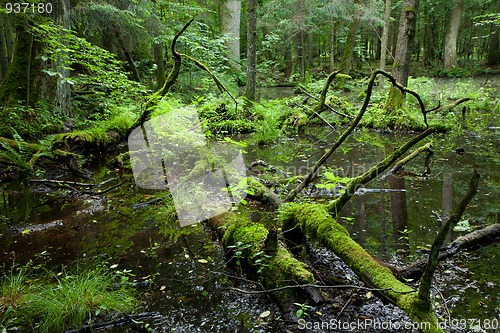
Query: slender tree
[494, 41]
[251, 50]
[385, 38]
[4, 54]
[230, 26]
[62, 100]
[450, 46]
[401, 68]
[346, 63]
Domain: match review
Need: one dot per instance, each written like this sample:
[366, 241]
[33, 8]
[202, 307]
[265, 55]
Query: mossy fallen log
[252, 243]
[316, 222]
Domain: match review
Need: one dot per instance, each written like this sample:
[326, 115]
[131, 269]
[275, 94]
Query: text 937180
[28, 8]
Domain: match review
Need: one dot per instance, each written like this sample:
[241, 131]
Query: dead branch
[402, 162]
[340, 286]
[426, 280]
[469, 242]
[130, 319]
[71, 183]
[308, 178]
[169, 82]
[335, 206]
[217, 81]
[329, 107]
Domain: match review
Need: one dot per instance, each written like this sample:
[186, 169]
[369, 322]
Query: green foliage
[221, 117]
[302, 311]
[268, 118]
[58, 301]
[239, 249]
[30, 121]
[332, 180]
[91, 67]
[18, 158]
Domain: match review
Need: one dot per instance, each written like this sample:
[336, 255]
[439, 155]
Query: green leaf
[49, 72]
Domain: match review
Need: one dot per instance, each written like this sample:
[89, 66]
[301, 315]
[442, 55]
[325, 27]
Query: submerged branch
[469, 242]
[426, 280]
[340, 286]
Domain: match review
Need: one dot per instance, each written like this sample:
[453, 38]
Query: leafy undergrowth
[55, 302]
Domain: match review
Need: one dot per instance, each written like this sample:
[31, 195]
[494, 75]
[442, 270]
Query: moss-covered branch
[261, 249]
[169, 82]
[315, 221]
[426, 280]
[336, 205]
[217, 81]
[407, 159]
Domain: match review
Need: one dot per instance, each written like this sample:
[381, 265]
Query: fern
[12, 156]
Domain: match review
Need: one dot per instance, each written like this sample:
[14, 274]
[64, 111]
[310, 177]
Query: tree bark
[494, 42]
[299, 42]
[402, 60]
[451, 39]
[332, 44]
[4, 54]
[251, 51]
[350, 43]
[20, 82]
[62, 101]
[230, 26]
[385, 39]
[160, 72]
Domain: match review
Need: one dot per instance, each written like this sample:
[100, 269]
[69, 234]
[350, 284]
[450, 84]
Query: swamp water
[190, 287]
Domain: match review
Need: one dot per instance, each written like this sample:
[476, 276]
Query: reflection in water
[447, 200]
[399, 216]
[383, 230]
[362, 221]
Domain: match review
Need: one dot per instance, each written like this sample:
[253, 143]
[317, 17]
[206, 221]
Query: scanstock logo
[171, 152]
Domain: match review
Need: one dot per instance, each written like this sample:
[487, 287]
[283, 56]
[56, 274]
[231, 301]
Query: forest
[253, 166]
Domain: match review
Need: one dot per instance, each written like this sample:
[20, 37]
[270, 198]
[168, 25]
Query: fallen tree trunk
[315, 221]
[254, 244]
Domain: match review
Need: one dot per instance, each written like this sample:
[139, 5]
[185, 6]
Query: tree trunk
[300, 53]
[160, 73]
[402, 60]
[9, 36]
[251, 50]
[494, 42]
[385, 38]
[332, 44]
[62, 101]
[230, 26]
[450, 46]
[350, 43]
[310, 50]
[20, 82]
[4, 54]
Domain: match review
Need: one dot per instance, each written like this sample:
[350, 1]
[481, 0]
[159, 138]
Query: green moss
[284, 268]
[245, 232]
[317, 223]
